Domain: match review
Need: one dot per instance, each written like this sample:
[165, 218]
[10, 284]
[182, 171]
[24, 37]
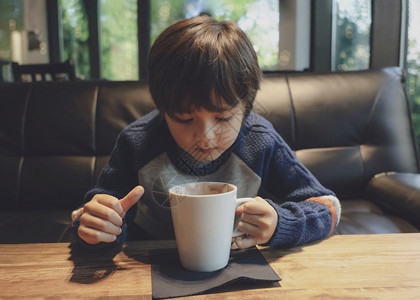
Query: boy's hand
[102, 216]
[258, 221]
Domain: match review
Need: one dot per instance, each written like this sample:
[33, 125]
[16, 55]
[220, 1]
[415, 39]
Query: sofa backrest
[345, 127]
[55, 137]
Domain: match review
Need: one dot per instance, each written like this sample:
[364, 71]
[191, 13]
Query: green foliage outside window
[75, 35]
[413, 92]
[11, 20]
[413, 65]
[118, 26]
[352, 38]
[119, 39]
[258, 18]
[119, 46]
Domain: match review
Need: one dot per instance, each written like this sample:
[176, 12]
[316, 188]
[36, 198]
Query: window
[350, 35]
[23, 39]
[75, 35]
[413, 64]
[11, 27]
[254, 17]
[279, 30]
[119, 51]
[118, 37]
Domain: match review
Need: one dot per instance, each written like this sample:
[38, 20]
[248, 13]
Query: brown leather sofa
[352, 130]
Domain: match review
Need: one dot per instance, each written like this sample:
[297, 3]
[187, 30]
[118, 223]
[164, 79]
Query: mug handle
[239, 201]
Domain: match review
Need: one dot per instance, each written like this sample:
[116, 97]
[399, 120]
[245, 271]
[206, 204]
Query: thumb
[131, 198]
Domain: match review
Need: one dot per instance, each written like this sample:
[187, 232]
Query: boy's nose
[209, 133]
[207, 130]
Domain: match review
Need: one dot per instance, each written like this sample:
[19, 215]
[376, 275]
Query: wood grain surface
[350, 266]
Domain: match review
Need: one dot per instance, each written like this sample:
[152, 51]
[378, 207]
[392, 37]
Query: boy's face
[205, 135]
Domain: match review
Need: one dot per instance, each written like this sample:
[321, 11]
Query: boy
[203, 77]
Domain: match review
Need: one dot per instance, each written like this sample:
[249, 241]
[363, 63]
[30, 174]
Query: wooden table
[351, 266]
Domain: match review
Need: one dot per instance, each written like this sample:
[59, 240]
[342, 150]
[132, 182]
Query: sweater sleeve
[302, 222]
[306, 210]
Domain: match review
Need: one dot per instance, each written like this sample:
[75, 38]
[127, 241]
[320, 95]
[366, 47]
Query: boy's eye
[224, 119]
[183, 121]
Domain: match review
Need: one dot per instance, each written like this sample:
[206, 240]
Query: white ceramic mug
[203, 215]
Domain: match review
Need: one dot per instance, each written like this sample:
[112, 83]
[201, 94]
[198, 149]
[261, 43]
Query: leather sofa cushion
[360, 216]
[398, 193]
[35, 226]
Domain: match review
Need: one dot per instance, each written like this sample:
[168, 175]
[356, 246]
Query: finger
[131, 198]
[259, 207]
[251, 206]
[256, 220]
[261, 227]
[96, 223]
[92, 236]
[248, 228]
[105, 208]
[245, 241]
[261, 233]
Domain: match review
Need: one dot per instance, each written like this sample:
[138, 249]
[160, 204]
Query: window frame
[385, 14]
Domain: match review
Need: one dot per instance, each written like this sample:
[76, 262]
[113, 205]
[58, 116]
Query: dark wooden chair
[44, 72]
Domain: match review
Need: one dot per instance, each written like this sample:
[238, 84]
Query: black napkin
[170, 279]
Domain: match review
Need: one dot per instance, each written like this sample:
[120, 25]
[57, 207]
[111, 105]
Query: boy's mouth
[205, 150]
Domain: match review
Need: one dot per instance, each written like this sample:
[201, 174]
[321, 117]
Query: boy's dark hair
[197, 62]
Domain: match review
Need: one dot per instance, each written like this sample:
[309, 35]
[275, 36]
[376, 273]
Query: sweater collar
[187, 164]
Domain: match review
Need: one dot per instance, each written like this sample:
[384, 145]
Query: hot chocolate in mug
[203, 215]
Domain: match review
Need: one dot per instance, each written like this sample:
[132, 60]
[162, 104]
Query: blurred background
[110, 39]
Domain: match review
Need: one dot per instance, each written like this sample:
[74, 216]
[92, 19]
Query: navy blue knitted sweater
[259, 163]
